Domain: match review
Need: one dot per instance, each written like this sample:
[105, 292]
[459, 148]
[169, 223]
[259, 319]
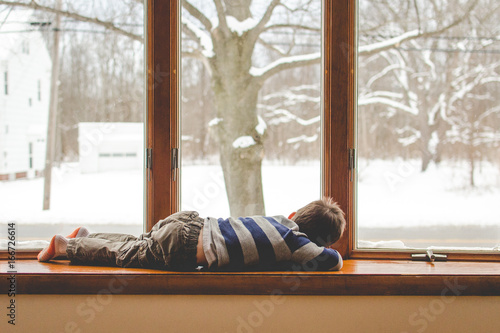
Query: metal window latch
[352, 162]
[175, 163]
[149, 161]
[429, 256]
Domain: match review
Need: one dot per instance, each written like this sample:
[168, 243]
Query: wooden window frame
[359, 277]
[348, 61]
[338, 125]
[163, 126]
[162, 100]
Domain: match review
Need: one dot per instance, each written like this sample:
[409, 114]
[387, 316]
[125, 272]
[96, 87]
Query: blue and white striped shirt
[263, 242]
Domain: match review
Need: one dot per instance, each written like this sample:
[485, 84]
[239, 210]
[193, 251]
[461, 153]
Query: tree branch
[487, 113]
[396, 41]
[387, 44]
[389, 102]
[271, 47]
[221, 16]
[196, 54]
[265, 18]
[202, 38]
[198, 15]
[107, 25]
[291, 26]
[303, 7]
[282, 64]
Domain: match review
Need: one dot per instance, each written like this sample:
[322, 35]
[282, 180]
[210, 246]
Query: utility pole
[52, 124]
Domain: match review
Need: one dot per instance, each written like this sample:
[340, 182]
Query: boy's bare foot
[56, 248]
[79, 232]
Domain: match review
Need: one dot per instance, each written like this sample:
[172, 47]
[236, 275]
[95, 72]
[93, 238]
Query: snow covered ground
[390, 194]
[396, 194]
[98, 198]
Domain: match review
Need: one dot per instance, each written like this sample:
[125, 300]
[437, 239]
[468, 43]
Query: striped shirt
[263, 242]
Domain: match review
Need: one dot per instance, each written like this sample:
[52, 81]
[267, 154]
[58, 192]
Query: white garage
[110, 146]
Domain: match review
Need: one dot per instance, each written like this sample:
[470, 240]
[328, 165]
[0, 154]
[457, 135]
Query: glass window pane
[428, 124]
[97, 171]
[251, 101]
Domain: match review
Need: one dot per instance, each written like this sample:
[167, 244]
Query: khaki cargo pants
[171, 244]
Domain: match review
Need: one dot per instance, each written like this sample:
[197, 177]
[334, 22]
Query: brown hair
[322, 221]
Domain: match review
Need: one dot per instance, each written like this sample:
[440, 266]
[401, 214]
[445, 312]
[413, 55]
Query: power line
[115, 23]
[312, 33]
[409, 49]
[495, 38]
[59, 30]
[73, 21]
[301, 33]
[412, 49]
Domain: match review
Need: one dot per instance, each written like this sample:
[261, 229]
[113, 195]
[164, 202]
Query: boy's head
[321, 220]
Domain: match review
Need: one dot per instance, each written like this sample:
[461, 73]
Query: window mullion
[162, 118]
[338, 124]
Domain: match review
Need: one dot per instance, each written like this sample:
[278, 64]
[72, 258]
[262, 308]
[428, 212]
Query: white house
[110, 146]
[25, 66]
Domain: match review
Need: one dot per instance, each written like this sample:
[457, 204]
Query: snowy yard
[395, 194]
[391, 194]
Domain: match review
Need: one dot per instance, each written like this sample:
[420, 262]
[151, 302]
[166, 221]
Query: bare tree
[474, 120]
[413, 86]
[226, 47]
[227, 54]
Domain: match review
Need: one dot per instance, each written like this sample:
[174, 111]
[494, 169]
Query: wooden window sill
[358, 277]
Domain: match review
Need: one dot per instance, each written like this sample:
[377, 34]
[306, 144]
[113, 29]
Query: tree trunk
[424, 148]
[425, 139]
[426, 160]
[471, 158]
[243, 179]
[235, 96]
[472, 167]
[239, 9]
[241, 149]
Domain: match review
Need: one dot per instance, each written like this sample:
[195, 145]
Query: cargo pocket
[129, 257]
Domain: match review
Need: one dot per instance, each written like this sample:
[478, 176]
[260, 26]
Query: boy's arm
[328, 260]
[340, 262]
[315, 258]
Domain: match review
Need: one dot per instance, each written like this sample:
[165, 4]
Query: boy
[184, 241]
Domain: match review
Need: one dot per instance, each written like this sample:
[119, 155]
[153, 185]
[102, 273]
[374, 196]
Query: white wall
[23, 112]
[158, 313]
